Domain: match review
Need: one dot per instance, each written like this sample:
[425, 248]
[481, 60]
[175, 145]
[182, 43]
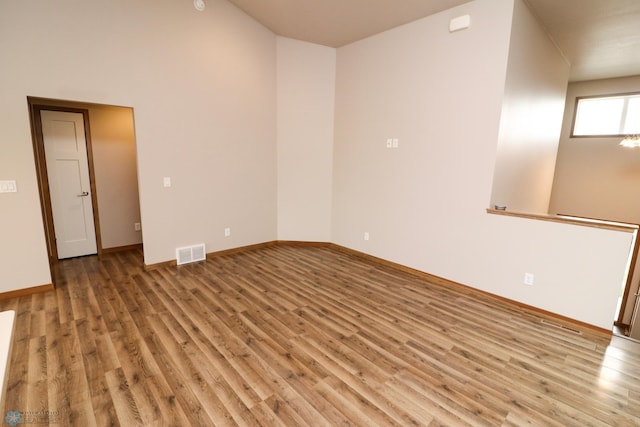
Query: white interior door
[65, 149]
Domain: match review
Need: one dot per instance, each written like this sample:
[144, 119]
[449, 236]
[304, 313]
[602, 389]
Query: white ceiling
[600, 38]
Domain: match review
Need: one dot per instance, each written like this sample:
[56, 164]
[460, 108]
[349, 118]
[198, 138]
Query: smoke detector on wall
[199, 5]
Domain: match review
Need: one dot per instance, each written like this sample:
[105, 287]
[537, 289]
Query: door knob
[84, 194]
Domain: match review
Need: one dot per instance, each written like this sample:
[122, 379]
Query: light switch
[8, 187]
[167, 181]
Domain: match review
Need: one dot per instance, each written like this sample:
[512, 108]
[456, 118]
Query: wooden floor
[301, 336]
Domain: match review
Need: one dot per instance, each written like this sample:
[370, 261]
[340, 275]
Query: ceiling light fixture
[631, 141]
[199, 5]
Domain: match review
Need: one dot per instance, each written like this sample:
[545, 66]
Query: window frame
[611, 95]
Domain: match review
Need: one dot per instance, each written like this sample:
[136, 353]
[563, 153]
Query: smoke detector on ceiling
[199, 5]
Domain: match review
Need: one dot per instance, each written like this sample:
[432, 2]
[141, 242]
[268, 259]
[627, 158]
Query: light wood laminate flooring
[290, 335]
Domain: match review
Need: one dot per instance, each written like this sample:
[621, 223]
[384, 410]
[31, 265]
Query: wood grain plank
[301, 335]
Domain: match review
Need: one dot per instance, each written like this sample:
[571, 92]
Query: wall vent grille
[189, 254]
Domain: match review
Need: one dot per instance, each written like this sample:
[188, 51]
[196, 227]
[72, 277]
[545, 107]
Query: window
[607, 116]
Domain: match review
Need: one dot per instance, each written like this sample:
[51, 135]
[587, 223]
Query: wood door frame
[628, 285]
[36, 105]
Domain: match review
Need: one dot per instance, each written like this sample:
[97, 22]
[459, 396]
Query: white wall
[535, 88]
[306, 97]
[424, 203]
[440, 94]
[596, 177]
[203, 90]
[114, 159]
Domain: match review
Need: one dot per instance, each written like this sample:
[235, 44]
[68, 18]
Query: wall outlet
[137, 226]
[227, 232]
[528, 279]
[366, 235]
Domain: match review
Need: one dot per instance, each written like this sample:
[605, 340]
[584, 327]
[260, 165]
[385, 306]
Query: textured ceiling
[600, 38]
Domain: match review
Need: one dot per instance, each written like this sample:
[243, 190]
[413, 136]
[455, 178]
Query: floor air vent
[191, 254]
[561, 326]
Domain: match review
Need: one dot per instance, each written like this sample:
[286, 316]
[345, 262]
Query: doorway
[112, 190]
[66, 147]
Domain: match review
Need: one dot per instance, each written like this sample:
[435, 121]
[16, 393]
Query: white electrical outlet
[227, 232]
[366, 235]
[137, 226]
[528, 279]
